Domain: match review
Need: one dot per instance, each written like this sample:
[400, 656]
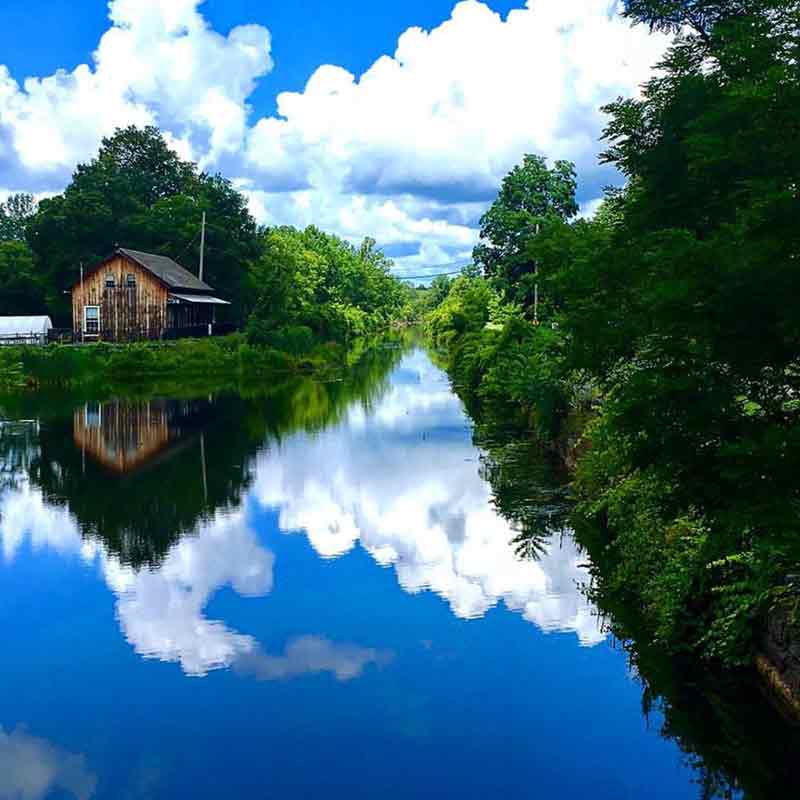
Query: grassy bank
[229, 358]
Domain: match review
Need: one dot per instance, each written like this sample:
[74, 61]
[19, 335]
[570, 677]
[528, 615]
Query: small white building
[24, 330]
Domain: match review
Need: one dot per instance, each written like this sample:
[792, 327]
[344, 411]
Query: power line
[425, 277]
[460, 264]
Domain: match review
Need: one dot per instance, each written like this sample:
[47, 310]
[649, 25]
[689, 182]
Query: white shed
[24, 330]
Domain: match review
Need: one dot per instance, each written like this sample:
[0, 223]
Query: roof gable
[168, 271]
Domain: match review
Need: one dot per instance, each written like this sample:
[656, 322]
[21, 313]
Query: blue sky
[392, 120]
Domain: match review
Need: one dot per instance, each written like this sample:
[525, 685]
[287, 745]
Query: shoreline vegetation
[210, 361]
[655, 345]
[739, 743]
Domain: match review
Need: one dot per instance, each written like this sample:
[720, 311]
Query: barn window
[91, 321]
[92, 415]
[110, 282]
[130, 281]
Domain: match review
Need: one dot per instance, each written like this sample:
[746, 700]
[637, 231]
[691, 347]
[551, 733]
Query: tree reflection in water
[140, 474]
[739, 745]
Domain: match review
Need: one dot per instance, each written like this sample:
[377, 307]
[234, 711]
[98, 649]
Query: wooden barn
[133, 295]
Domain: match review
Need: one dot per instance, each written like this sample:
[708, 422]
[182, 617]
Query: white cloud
[159, 63]
[33, 768]
[457, 106]
[409, 152]
[446, 117]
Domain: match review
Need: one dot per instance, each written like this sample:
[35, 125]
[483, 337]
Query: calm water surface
[305, 593]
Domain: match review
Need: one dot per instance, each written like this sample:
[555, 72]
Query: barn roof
[167, 270]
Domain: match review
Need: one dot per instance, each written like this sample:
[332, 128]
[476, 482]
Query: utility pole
[536, 287]
[83, 310]
[202, 244]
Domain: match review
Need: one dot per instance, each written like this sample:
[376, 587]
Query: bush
[294, 339]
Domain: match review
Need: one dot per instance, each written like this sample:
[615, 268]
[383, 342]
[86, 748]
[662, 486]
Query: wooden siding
[138, 312]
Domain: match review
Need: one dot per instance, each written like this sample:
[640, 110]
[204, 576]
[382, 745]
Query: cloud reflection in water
[402, 481]
[32, 769]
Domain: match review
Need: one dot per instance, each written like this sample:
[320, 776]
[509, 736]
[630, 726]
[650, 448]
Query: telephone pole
[202, 244]
[536, 287]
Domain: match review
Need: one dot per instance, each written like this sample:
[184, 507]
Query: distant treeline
[138, 193]
[667, 327]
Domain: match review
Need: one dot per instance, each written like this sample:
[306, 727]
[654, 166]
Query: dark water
[314, 590]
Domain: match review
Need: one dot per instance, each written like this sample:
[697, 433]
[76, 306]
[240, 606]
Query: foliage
[21, 290]
[692, 328]
[15, 213]
[230, 357]
[309, 284]
[531, 195]
[673, 316]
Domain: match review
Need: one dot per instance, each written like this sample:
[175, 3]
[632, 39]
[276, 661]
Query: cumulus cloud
[159, 63]
[433, 129]
[409, 152]
[457, 106]
[33, 768]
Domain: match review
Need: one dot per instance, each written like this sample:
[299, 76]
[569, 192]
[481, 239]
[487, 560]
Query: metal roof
[167, 270]
[200, 298]
[12, 326]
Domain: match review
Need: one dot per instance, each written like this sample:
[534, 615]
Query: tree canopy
[319, 282]
[531, 195]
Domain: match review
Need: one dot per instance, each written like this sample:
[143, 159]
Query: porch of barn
[191, 315]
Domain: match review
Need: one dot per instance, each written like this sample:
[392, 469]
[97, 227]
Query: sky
[393, 120]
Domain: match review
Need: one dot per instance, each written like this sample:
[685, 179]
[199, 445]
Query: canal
[324, 590]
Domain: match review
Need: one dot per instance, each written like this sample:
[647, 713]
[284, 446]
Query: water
[311, 590]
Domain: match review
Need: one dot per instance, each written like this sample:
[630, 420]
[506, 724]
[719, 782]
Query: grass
[229, 357]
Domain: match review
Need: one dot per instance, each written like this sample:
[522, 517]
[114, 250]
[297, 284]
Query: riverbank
[229, 358]
[702, 591]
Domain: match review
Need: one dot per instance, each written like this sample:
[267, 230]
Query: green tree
[14, 216]
[21, 291]
[531, 195]
[318, 281]
[682, 297]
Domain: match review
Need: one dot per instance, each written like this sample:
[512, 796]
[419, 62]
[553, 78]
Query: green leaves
[309, 278]
[21, 289]
[14, 216]
[531, 195]
[673, 314]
